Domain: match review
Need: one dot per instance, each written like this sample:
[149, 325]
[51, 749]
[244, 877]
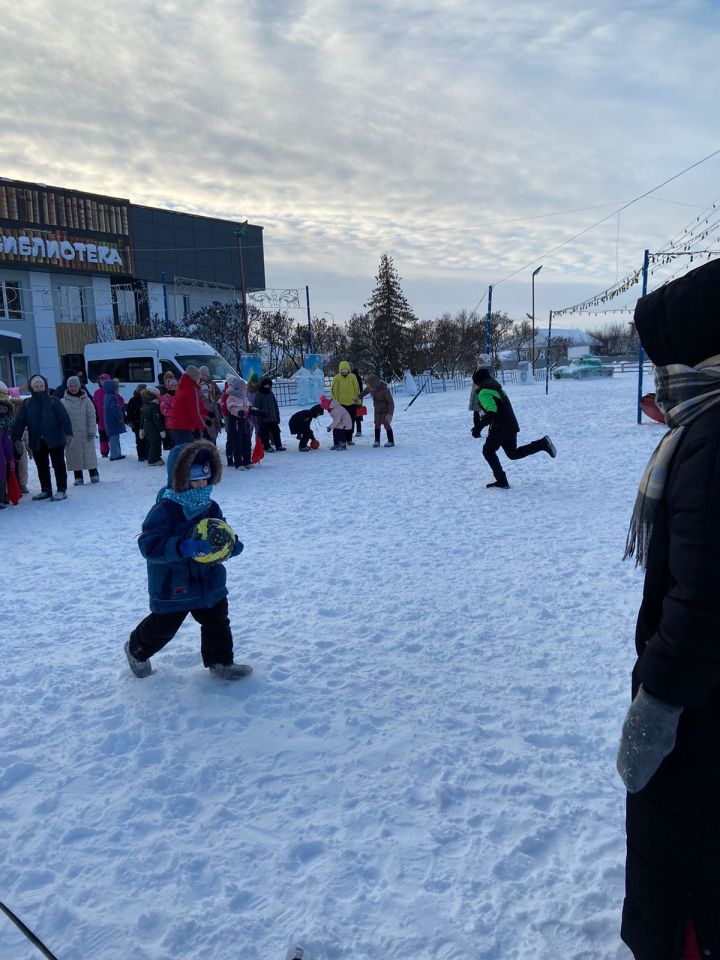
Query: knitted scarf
[192, 501]
[683, 393]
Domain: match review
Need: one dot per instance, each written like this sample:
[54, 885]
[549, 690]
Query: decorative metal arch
[275, 298]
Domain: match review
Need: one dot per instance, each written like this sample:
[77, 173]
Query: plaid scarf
[683, 393]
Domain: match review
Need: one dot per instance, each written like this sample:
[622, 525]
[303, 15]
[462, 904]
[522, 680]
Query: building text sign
[60, 249]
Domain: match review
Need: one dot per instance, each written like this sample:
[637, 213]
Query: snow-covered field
[422, 764]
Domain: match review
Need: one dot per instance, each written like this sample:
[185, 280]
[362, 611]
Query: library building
[79, 268]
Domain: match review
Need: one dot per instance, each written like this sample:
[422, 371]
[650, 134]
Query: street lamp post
[329, 314]
[535, 273]
[240, 233]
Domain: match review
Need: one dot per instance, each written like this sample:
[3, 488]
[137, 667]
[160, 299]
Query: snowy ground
[422, 764]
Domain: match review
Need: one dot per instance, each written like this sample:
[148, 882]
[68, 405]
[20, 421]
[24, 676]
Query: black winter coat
[133, 411]
[495, 404]
[45, 418]
[300, 421]
[673, 825]
[267, 407]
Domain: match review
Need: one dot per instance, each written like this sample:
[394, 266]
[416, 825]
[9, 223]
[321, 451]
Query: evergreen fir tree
[391, 320]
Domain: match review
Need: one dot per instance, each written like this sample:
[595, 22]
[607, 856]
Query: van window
[219, 368]
[125, 369]
[167, 367]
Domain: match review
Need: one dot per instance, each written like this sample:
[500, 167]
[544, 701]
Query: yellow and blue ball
[218, 534]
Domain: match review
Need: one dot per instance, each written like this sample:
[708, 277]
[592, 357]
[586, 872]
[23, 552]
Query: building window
[10, 307]
[73, 308]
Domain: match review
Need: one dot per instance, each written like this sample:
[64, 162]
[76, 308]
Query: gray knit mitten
[648, 736]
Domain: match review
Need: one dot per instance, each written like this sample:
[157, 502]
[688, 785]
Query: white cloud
[351, 128]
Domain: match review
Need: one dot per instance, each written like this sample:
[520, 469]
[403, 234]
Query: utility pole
[641, 352]
[240, 233]
[488, 322]
[535, 273]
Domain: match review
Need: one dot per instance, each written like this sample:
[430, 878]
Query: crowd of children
[59, 429]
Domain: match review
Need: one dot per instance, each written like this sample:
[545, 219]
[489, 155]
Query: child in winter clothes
[238, 450]
[99, 401]
[346, 390]
[7, 459]
[177, 583]
[167, 398]
[9, 406]
[383, 407]
[133, 415]
[114, 419]
[300, 422]
[341, 422]
[81, 454]
[210, 410]
[268, 416]
[152, 430]
[504, 428]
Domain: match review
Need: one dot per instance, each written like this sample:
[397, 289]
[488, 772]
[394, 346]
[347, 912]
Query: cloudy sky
[469, 139]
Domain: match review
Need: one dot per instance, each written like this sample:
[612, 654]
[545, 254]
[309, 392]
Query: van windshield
[219, 368]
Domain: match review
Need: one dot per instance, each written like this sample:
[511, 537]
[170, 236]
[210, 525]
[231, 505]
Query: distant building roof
[576, 338]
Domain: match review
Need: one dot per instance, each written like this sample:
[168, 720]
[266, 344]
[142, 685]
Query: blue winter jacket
[175, 583]
[45, 418]
[114, 420]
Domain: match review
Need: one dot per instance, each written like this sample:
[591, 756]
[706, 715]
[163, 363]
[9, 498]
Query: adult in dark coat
[133, 415]
[268, 416]
[673, 814]
[504, 428]
[300, 425]
[49, 432]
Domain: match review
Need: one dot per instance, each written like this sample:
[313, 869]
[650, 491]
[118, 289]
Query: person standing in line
[133, 415]
[114, 419]
[268, 416]
[206, 378]
[358, 417]
[210, 411]
[239, 450]
[49, 432]
[167, 398]
[99, 401]
[383, 408]
[186, 420]
[669, 755]
[81, 455]
[9, 405]
[346, 390]
[152, 430]
[497, 412]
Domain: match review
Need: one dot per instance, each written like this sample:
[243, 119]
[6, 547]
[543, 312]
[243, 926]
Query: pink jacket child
[99, 404]
[341, 421]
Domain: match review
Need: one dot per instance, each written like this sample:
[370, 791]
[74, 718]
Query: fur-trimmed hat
[151, 393]
[199, 453]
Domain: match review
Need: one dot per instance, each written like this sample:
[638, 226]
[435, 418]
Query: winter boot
[141, 668]
[60, 495]
[230, 671]
[549, 446]
[500, 484]
[43, 495]
[390, 437]
[376, 443]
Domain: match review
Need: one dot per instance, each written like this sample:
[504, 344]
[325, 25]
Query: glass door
[21, 370]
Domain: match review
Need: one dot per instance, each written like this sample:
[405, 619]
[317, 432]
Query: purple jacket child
[6, 459]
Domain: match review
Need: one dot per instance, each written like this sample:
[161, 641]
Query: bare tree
[519, 338]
